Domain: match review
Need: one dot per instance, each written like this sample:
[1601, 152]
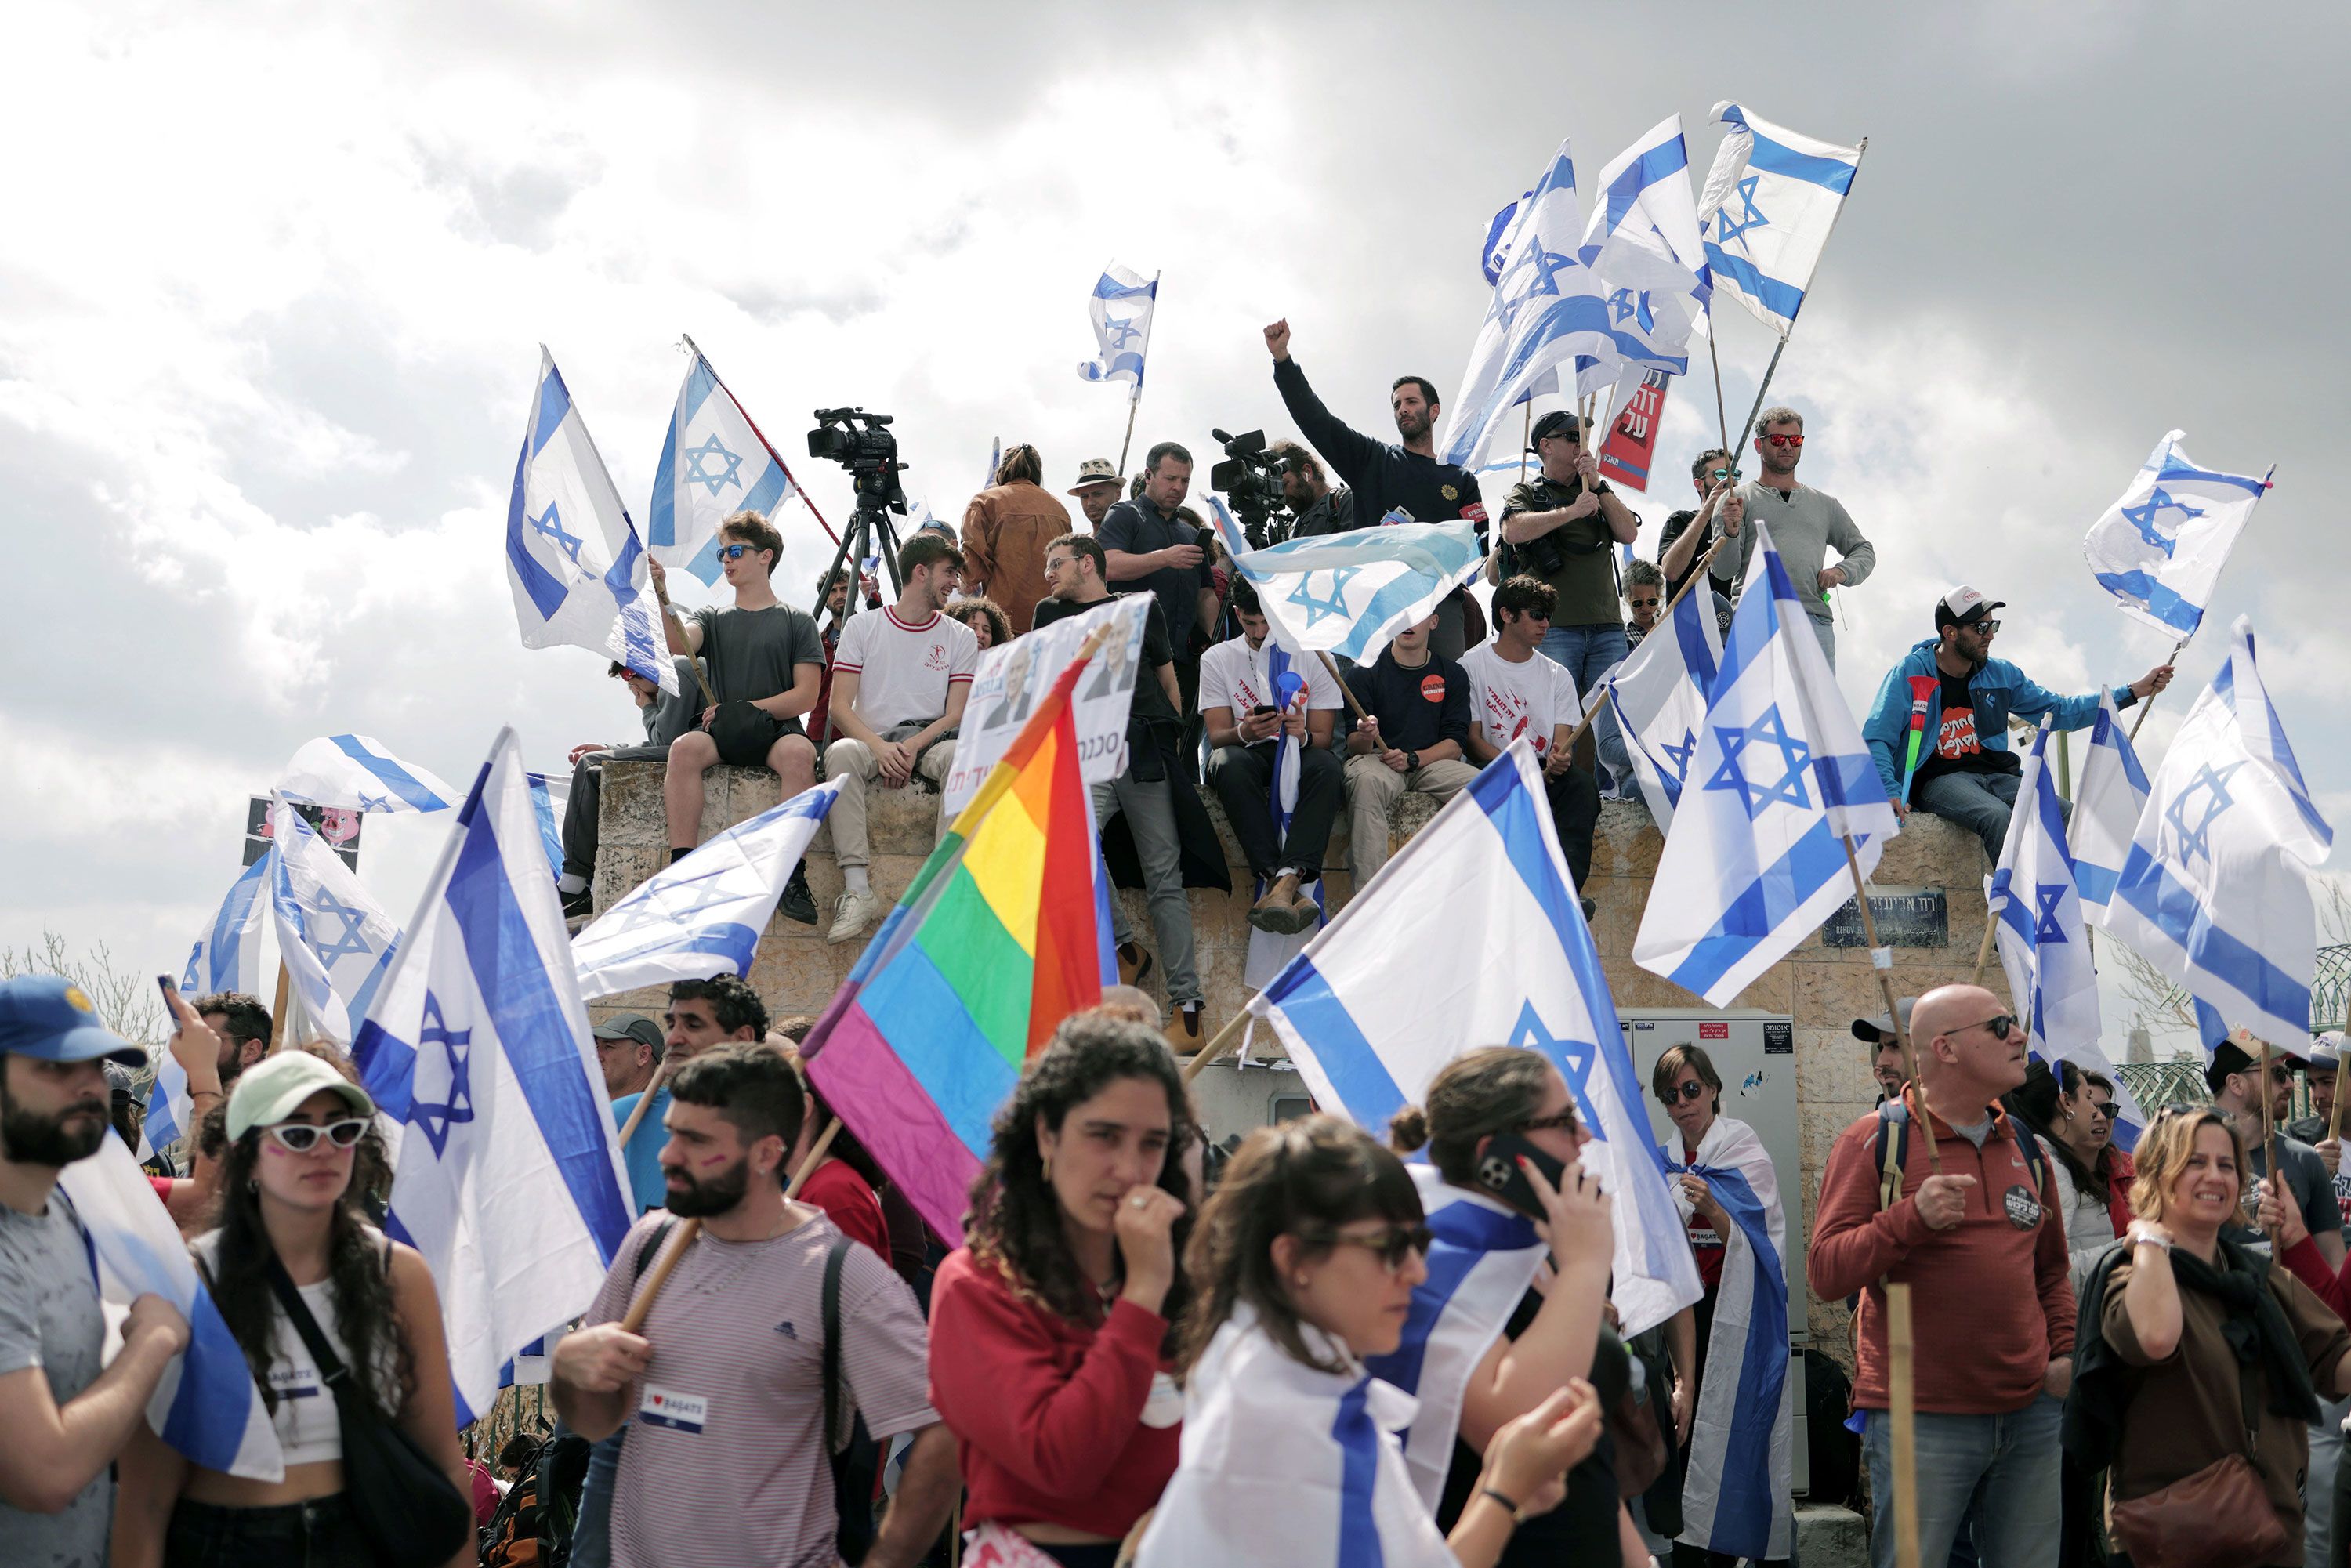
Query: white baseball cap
[1963, 606]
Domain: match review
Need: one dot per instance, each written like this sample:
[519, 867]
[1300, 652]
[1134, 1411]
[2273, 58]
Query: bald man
[1982, 1247]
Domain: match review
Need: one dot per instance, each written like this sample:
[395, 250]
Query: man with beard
[1806, 524]
[243, 1026]
[1385, 477]
[1318, 509]
[1096, 489]
[727, 1450]
[65, 1419]
[1969, 774]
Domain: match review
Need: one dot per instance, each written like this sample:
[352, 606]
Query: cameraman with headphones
[1563, 526]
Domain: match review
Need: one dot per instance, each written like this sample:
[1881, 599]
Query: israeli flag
[702, 916]
[1757, 859]
[995, 460]
[549, 793]
[1483, 1259]
[1642, 244]
[1482, 899]
[2215, 892]
[227, 956]
[1770, 205]
[1121, 307]
[359, 773]
[206, 1406]
[1658, 694]
[713, 463]
[507, 1178]
[336, 940]
[2108, 800]
[2160, 548]
[1270, 950]
[573, 558]
[1548, 311]
[1736, 1496]
[1499, 233]
[1351, 593]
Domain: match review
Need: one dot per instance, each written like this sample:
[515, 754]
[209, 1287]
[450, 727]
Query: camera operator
[1148, 544]
[1563, 526]
[1318, 509]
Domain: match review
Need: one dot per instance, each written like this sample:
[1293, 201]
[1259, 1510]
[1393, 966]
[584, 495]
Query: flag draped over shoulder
[1658, 694]
[1121, 307]
[508, 1177]
[713, 462]
[2160, 548]
[2215, 890]
[1770, 204]
[573, 558]
[359, 773]
[995, 943]
[335, 939]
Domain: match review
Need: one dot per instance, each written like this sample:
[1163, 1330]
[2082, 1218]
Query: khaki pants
[852, 763]
[1372, 789]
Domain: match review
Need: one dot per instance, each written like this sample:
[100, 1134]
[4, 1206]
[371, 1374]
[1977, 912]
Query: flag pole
[2177, 649]
[645, 1100]
[660, 591]
[1902, 1402]
[2269, 1127]
[2334, 1111]
[1881, 959]
[1217, 1046]
[1133, 404]
[688, 1230]
[1721, 419]
[1526, 434]
[277, 1013]
[1696, 575]
[1983, 952]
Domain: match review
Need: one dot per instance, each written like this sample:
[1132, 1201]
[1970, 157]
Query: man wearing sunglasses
[1806, 524]
[1969, 774]
[1716, 479]
[2234, 1076]
[1563, 526]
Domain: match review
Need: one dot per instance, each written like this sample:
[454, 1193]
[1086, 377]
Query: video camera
[862, 443]
[1250, 479]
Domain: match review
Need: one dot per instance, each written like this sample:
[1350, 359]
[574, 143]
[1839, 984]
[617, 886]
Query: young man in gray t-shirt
[766, 662]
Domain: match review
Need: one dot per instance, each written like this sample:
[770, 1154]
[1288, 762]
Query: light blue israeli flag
[713, 463]
[1660, 694]
[995, 460]
[2215, 892]
[1779, 780]
[1769, 206]
[1501, 957]
[1351, 593]
[702, 916]
[2160, 548]
[574, 562]
[1642, 244]
[2107, 800]
[1548, 311]
[508, 1177]
[359, 773]
[549, 793]
[206, 1407]
[1121, 307]
[1496, 252]
[225, 957]
[337, 941]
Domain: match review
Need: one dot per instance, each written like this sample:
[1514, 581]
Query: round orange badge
[1432, 688]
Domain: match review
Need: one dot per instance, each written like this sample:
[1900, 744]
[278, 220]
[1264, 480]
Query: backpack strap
[651, 1245]
[1892, 1150]
[834, 1439]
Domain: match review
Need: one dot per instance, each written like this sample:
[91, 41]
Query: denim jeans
[2319, 1516]
[321, 1533]
[1150, 810]
[1588, 652]
[2004, 1467]
[1979, 802]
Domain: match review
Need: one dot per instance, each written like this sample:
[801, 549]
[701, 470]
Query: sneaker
[851, 913]
[798, 903]
[1278, 911]
[576, 905]
[1590, 909]
[1134, 963]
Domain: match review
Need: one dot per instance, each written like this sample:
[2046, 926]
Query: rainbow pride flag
[1004, 933]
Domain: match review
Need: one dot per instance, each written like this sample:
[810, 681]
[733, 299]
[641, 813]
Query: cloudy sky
[275, 277]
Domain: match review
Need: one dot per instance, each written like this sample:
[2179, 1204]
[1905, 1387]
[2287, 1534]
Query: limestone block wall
[1822, 987]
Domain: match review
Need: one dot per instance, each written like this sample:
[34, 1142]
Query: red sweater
[1991, 1305]
[846, 1199]
[1047, 1412]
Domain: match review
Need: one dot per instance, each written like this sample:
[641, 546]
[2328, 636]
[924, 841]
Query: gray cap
[636, 1027]
[1879, 1030]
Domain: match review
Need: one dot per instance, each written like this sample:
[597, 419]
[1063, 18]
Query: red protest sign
[1632, 442]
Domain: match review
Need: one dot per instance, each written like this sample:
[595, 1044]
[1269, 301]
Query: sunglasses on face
[1565, 1122]
[1783, 441]
[1685, 1093]
[1648, 603]
[1392, 1245]
[1719, 473]
[2102, 1108]
[1998, 1025]
[733, 552]
[301, 1137]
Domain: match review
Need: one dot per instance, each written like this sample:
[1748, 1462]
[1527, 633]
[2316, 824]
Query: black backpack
[533, 1525]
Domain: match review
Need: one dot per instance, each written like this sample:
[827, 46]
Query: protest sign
[339, 827]
[1013, 675]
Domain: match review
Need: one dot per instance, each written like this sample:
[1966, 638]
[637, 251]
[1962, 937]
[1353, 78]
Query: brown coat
[1005, 531]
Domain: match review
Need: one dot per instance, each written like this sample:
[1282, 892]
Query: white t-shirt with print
[1506, 700]
[903, 670]
[1233, 675]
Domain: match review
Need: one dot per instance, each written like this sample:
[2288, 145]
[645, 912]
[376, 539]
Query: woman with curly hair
[987, 620]
[1052, 1330]
[297, 1129]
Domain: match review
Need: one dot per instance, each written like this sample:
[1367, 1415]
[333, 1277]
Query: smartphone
[1263, 709]
[1499, 1173]
[171, 989]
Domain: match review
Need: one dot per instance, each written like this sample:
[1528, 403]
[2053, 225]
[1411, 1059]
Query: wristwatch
[1411, 761]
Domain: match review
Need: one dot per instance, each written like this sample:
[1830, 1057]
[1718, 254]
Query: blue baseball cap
[48, 1018]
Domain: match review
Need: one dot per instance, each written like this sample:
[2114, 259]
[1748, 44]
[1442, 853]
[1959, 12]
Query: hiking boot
[798, 903]
[851, 913]
[1134, 963]
[1278, 911]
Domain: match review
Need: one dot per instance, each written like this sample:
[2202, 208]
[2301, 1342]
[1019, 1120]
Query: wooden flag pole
[2269, 1127]
[1345, 690]
[1218, 1043]
[1902, 1410]
[1133, 405]
[645, 1100]
[1884, 965]
[660, 591]
[2334, 1111]
[666, 1264]
[1721, 419]
[1983, 951]
[2177, 649]
[277, 1013]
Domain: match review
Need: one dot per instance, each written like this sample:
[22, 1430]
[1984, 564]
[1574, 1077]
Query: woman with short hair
[987, 620]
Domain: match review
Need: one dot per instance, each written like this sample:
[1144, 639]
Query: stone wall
[1822, 987]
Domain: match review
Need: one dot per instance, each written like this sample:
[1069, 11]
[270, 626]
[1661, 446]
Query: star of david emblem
[1624, 305]
[1575, 1059]
[2195, 840]
[376, 802]
[700, 467]
[351, 942]
[2046, 896]
[1770, 729]
[1752, 218]
[551, 523]
[704, 895]
[1681, 755]
[1334, 603]
[1539, 267]
[436, 1120]
[2142, 518]
[1121, 330]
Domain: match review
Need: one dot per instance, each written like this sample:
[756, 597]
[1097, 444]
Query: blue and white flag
[702, 916]
[337, 941]
[2160, 548]
[1736, 1498]
[1351, 593]
[1658, 694]
[1642, 244]
[995, 460]
[508, 1177]
[2108, 798]
[1121, 307]
[573, 558]
[1756, 861]
[1482, 1261]
[1769, 206]
[1482, 899]
[549, 793]
[1270, 950]
[1499, 235]
[227, 956]
[359, 773]
[1548, 311]
[206, 1406]
[713, 463]
[2215, 892]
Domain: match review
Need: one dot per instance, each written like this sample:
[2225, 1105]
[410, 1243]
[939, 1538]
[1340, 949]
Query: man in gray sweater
[1805, 524]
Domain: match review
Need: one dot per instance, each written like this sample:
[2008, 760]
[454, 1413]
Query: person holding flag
[1563, 526]
[1805, 524]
